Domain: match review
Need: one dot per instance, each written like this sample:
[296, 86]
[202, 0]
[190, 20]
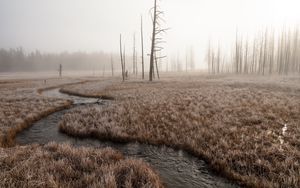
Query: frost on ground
[21, 105]
[234, 123]
[77, 89]
[55, 165]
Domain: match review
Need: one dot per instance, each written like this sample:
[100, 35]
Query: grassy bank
[56, 165]
[21, 105]
[235, 124]
[13, 126]
[75, 89]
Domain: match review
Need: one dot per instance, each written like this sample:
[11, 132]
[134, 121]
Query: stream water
[176, 168]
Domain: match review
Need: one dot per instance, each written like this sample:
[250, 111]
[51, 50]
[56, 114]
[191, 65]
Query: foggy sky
[95, 25]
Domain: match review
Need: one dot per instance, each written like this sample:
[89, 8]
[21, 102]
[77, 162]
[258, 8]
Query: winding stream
[176, 168]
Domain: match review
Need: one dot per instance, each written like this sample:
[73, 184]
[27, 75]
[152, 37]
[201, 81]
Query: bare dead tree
[246, 57]
[266, 55]
[186, 61]
[178, 63]
[122, 60]
[260, 62]
[218, 59]
[271, 55]
[288, 53]
[157, 72]
[241, 57]
[213, 67]
[281, 53]
[133, 56]
[142, 43]
[60, 70]
[295, 49]
[265, 52]
[237, 53]
[254, 57]
[153, 40]
[112, 65]
[136, 64]
[156, 39]
[208, 58]
[192, 59]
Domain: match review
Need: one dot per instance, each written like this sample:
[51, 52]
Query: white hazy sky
[94, 25]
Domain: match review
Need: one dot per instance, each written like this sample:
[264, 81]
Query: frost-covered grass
[55, 165]
[21, 105]
[234, 123]
[77, 89]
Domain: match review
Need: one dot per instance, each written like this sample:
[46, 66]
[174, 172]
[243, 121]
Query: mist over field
[53, 28]
[150, 94]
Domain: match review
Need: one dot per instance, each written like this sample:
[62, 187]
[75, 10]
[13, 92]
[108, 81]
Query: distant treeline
[17, 60]
[268, 53]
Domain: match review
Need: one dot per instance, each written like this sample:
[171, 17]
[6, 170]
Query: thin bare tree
[122, 59]
[124, 62]
[60, 70]
[186, 61]
[192, 59]
[157, 71]
[156, 39]
[112, 65]
[142, 43]
[208, 58]
[266, 55]
[133, 57]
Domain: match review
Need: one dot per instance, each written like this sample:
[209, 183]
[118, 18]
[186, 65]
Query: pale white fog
[91, 26]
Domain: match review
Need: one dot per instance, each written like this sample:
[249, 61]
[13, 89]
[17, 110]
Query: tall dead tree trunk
[254, 58]
[112, 65]
[246, 57]
[272, 50]
[218, 60]
[133, 57]
[192, 59]
[295, 48]
[157, 72]
[237, 54]
[186, 61]
[122, 61]
[153, 41]
[142, 43]
[209, 58]
[260, 57]
[213, 62]
[136, 64]
[60, 70]
[156, 40]
[265, 52]
[241, 57]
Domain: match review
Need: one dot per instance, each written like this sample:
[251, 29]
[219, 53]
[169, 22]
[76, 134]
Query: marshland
[150, 94]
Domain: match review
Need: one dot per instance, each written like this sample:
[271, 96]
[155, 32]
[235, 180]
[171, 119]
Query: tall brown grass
[61, 165]
[21, 104]
[235, 124]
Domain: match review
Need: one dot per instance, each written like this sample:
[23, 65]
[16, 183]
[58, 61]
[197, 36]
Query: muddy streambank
[175, 167]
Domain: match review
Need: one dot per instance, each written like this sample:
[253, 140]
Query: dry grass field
[56, 165]
[247, 128]
[22, 103]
